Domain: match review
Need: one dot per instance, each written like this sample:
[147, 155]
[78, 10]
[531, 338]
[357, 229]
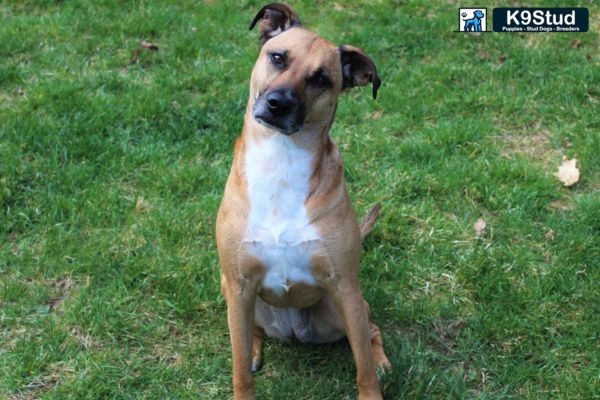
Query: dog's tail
[366, 226]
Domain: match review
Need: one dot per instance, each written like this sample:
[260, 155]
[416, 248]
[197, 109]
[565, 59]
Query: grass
[111, 174]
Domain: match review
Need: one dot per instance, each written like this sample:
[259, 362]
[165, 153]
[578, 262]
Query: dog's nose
[280, 102]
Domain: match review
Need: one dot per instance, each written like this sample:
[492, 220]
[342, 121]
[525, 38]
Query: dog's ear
[358, 69]
[275, 18]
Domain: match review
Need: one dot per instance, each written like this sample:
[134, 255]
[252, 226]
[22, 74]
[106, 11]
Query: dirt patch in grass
[534, 146]
[443, 342]
[36, 386]
[447, 334]
[563, 204]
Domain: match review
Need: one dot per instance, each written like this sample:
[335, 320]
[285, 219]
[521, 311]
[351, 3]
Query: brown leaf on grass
[568, 173]
[148, 45]
[62, 286]
[377, 114]
[576, 43]
[501, 59]
[55, 302]
[144, 44]
[479, 227]
[550, 235]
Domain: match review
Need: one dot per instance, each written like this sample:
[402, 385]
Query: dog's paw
[256, 365]
[383, 367]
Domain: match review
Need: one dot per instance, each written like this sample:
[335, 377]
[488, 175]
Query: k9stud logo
[472, 19]
[525, 19]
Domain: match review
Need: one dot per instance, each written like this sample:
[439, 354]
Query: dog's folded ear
[275, 18]
[358, 69]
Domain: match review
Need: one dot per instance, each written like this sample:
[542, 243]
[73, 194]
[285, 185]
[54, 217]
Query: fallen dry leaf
[568, 173]
[148, 45]
[377, 114]
[501, 59]
[576, 43]
[479, 227]
[144, 44]
[550, 235]
[55, 302]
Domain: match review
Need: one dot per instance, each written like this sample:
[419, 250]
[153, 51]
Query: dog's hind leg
[381, 361]
[258, 336]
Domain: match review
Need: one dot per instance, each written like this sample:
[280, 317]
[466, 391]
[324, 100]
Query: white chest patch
[279, 232]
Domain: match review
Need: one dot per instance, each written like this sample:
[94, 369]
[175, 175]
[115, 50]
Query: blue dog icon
[474, 24]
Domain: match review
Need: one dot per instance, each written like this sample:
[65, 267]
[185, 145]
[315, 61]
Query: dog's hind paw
[383, 367]
[256, 365]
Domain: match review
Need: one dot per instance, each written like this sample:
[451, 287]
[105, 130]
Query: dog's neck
[325, 167]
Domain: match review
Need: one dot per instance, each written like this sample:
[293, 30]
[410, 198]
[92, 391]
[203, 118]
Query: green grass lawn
[111, 174]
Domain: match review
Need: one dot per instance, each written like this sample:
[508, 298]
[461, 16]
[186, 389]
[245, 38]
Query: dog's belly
[307, 325]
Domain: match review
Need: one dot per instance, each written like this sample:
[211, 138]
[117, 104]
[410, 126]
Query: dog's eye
[277, 59]
[320, 80]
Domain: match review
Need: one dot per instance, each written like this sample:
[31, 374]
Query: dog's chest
[279, 232]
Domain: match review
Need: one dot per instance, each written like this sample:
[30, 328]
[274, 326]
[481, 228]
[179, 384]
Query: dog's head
[298, 75]
[478, 14]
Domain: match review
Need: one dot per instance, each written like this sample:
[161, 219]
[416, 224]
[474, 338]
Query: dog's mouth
[286, 120]
[278, 126]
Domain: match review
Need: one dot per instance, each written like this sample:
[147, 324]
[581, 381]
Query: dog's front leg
[241, 297]
[350, 302]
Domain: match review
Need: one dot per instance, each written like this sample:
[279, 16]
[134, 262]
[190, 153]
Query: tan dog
[288, 239]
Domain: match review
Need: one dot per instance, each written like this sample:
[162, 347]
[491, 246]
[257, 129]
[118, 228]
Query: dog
[474, 24]
[287, 235]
